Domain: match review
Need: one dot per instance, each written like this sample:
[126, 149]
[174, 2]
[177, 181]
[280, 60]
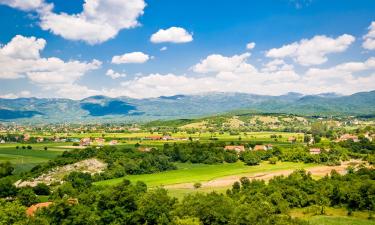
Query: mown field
[334, 216]
[187, 172]
[25, 159]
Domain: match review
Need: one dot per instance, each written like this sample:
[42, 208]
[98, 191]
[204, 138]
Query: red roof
[32, 209]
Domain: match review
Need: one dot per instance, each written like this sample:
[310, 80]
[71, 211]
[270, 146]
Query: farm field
[334, 216]
[25, 159]
[191, 173]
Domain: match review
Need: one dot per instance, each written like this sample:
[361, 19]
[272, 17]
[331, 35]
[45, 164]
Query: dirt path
[229, 180]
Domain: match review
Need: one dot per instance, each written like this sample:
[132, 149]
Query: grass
[338, 220]
[191, 173]
[334, 216]
[25, 159]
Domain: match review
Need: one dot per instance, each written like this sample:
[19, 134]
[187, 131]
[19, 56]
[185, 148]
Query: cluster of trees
[247, 202]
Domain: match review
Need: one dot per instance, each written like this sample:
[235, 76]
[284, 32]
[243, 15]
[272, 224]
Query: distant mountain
[124, 109]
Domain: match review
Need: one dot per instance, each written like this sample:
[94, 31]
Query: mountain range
[124, 109]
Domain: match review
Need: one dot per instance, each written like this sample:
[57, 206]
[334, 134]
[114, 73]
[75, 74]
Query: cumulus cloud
[173, 35]
[164, 48]
[114, 75]
[99, 21]
[273, 78]
[132, 57]
[21, 58]
[220, 63]
[21, 94]
[369, 38]
[250, 45]
[26, 5]
[312, 51]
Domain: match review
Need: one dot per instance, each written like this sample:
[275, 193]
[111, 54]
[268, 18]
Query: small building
[113, 142]
[262, 147]
[85, 141]
[26, 137]
[292, 139]
[237, 148]
[153, 138]
[144, 149]
[346, 137]
[2, 142]
[39, 139]
[99, 141]
[32, 209]
[315, 151]
[167, 138]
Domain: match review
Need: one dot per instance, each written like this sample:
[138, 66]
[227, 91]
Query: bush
[29, 147]
[197, 185]
[251, 159]
[41, 189]
[272, 160]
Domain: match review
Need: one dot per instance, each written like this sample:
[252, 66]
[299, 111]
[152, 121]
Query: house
[292, 139]
[39, 139]
[368, 136]
[144, 149]
[26, 137]
[314, 151]
[32, 209]
[2, 142]
[346, 137]
[167, 138]
[113, 142]
[262, 147]
[237, 148]
[99, 141]
[85, 142]
[153, 138]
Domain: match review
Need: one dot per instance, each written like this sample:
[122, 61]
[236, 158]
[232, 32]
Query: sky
[150, 48]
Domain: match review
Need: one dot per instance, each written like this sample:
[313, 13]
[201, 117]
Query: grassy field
[338, 220]
[25, 159]
[191, 173]
[334, 216]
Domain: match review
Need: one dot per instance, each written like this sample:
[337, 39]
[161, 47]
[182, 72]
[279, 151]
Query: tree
[11, 212]
[155, 206]
[7, 188]
[6, 169]
[251, 158]
[27, 196]
[79, 180]
[272, 160]
[41, 189]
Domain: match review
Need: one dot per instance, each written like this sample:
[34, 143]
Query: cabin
[237, 148]
[315, 151]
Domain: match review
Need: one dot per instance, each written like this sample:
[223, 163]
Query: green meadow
[191, 173]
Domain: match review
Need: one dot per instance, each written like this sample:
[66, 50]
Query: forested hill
[122, 109]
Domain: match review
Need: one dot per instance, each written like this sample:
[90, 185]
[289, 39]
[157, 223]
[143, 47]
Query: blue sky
[66, 48]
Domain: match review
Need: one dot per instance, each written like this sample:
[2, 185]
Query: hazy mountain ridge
[106, 109]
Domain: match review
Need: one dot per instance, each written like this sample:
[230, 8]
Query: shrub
[197, 185]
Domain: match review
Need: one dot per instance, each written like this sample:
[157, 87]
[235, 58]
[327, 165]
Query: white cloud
[250, 45]
[114, 75]
[173, 35]
[219, 63]
[312, 51]
[25, 5]
[21, 58]
[164, 48]
[21, 94]
[274, 78]
[99, 21]
[369, 38]
[133, 57]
